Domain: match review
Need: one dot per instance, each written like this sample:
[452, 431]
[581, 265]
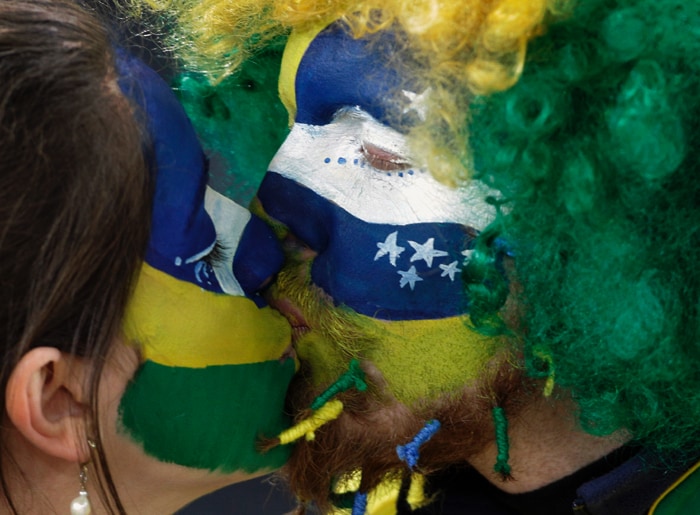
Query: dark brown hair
[74, 194]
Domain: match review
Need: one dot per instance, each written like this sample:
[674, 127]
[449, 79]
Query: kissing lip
[293, 315]
[289, 353]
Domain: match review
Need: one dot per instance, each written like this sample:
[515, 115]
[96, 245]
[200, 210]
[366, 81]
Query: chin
[373, 424]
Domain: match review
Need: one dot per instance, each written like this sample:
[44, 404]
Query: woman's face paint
[387, 243]
[214, 376]
[216, 361]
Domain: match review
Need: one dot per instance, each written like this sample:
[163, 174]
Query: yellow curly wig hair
[466, 47]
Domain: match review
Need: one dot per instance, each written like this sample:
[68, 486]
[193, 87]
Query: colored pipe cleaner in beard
[416, 497]
[353, 378]
[359, 506]
[381, 499]
[307, 427]
[324, 409]
[548, 369]
[410, 453]
[502, 444]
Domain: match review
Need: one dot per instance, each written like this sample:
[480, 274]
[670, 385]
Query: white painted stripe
[230, 220]
[329, 160]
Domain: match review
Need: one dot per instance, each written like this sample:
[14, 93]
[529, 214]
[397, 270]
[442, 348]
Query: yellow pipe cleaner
[549, 383]
[307, 427]
[416, 497]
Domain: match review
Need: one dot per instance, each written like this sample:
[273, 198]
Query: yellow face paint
[215, 367]
[177, 323]
[422, 359]
[419, 359]
[214, 377]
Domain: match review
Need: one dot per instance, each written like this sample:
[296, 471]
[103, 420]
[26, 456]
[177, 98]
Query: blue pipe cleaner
[410, 453]
[359, 506]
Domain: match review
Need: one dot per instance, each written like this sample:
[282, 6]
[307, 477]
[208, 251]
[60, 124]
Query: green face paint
[244, 108]
[208, 418]
[212, 382]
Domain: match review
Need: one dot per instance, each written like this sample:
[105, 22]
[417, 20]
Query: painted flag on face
[391, 241]
[213, 377]
[188, 216]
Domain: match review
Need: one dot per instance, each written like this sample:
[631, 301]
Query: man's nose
[307, 215]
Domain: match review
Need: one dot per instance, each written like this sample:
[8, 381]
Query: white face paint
[367, 168]
[230, 220]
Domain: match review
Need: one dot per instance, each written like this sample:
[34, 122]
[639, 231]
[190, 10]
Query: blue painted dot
[400, 174]
[355, 162]
[327, 160]
[342, 160]
[410, 172]
[388, 174]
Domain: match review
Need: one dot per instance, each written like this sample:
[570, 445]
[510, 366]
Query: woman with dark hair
[126, 353]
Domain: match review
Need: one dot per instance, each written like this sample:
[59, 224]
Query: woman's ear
[45, 402]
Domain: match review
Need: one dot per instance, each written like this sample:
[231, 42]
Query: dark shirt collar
[559, 497]
[627, 481]
[632, 487]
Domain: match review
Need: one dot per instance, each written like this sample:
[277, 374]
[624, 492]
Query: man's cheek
[418, 359]
[325, 359]
[423, 359]
[336, 336]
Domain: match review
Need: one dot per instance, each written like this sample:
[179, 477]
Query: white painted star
[417, 102]
[426, 251]
[389, 247]
[409, 277]
[450, 270]
[467, 255]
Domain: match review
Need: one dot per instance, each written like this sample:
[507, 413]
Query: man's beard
[371, 426]
[373, 423]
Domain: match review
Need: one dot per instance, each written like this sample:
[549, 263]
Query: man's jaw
[373, 424]
[363, 438]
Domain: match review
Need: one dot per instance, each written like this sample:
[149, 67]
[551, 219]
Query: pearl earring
[81, 504]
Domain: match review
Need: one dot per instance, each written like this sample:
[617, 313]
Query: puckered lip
[289, 353]
[293, 314]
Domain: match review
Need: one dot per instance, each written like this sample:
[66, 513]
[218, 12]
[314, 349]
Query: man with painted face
[573, 245]
[383, 261]
[378, 250]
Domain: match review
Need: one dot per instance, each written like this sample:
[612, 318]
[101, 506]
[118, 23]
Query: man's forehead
[338, 71]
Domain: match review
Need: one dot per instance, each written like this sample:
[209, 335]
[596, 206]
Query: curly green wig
[595, 151]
